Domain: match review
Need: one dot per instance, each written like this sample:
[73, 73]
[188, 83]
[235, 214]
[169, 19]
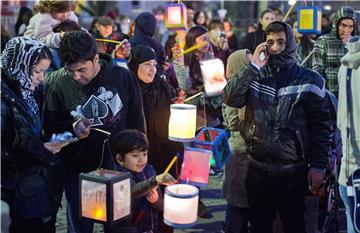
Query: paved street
[212, 197]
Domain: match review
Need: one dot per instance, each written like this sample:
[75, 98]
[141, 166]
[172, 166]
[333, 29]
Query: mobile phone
[263, 54]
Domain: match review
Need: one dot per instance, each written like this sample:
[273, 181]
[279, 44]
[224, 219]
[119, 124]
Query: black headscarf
[287, 57]
[140, 54]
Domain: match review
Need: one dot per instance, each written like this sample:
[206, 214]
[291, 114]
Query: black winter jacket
[24, 159]
[287, 119]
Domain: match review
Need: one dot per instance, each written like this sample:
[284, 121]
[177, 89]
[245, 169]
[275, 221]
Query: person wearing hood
[145, 26]
[348, 120]
[25, 158]
[157, 96]
[330, 48]
[286, 130]
[88, 93]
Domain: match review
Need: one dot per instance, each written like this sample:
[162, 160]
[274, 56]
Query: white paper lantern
[182, 122]
[181, 205]
[213, 74]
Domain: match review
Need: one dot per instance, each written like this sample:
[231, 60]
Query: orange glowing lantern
[181, 205]
[175, 16]
[196, 166]
[105, 195]
[182, 122]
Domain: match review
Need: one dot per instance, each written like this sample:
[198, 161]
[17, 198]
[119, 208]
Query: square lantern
[215, 140]
[175, 16]
[105, 195]
[182, 122]
[195, 167]
[309, 20]
[213, 73]
[181, 205]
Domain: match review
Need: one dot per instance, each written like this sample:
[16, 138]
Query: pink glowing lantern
[181, 205]
[175, 16]
[196, 166]
[105, 195]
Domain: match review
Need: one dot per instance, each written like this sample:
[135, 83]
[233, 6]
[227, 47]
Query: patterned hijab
[17, 60]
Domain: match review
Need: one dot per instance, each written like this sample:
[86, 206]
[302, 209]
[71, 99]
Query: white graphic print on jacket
[97, 107]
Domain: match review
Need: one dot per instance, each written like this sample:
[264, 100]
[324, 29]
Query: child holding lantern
[130, 152]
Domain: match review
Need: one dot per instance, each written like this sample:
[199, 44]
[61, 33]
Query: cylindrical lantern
[182, 122]
[181, 205]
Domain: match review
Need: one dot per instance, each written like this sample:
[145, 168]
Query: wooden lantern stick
[112, 41]
[192, 48]
[170, 164]
[194, 96]
[288, 12]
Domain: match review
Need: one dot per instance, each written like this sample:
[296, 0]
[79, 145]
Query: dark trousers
[284, 192]
[236, 219]
[32, 225]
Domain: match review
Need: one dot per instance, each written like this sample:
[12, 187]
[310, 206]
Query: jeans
[345, 199]
[236, 219]
[75, 223]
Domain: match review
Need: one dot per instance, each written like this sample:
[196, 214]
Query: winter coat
[351, 158]
[329, 49]
[287, 119]
[253, 39]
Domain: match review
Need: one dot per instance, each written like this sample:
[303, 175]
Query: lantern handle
[307, 57]
[193, 96]
[288, 12]
[192, 48]
[112, 41]
[170, 164]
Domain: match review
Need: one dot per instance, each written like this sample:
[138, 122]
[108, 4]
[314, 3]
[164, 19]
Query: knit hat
[140, 54]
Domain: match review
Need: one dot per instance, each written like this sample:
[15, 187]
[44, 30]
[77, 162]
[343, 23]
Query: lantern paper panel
[213, 74]
[181, 205]
[309, 20]
[105, 195]
[215, 140]
[182, 122]
[195, 167]
[175, 16]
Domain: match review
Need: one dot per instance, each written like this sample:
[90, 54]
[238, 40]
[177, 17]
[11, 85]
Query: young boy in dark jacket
[130, 151]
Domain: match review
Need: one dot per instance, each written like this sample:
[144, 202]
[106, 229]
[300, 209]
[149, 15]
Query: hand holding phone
[261, 55]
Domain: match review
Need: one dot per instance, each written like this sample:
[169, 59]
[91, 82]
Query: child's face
[134, 161]
[61, 16]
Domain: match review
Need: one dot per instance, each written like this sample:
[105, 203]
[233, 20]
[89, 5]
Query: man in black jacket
[88, 93]
[286, 130]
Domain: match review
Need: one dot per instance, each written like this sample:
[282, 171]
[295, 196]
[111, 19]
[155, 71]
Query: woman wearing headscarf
[237, 211]
[157, 96]
[25, 157]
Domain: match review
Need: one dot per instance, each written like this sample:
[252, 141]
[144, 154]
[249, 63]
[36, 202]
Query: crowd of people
[290, 104]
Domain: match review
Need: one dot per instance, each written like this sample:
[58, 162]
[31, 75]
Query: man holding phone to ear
[286, 130]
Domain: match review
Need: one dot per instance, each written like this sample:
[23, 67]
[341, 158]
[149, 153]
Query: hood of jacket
[352, 58]
[287, 57]
[343, 12]
[145, 24]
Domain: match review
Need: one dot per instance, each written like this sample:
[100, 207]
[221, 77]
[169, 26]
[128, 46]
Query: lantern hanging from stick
[182, 122]
[181, 205]
[175, 16]
[105, 195]
[309, 20]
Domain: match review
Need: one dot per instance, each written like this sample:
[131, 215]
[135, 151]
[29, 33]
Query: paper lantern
[181, 205]
[309, 20]
[195, 167]
[175, 16]
[105, 195]
[182, 122]
[215, 140]
[213, 75]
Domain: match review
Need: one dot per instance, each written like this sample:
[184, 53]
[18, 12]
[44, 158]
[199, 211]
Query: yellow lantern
[175, 16]
[182, 122]
[309, 20]
[181, 205]
[105, 195]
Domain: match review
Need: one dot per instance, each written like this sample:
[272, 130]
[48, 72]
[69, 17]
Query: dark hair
[104, 21]
[262, 15]
[275, 27]
[78, 46]
[228, 21]
[23, 18]
[67, 26]
[214, 23]
[44, 54]
[305, 42]
[278, 11]
[127, 141]
[190, 37]
[48, 6]
[196, 15]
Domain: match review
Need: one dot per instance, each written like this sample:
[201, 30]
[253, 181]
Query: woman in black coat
[25, 157]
